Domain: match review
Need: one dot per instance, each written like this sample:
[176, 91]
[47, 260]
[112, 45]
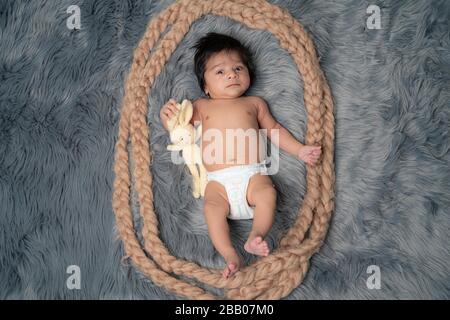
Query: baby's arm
[170, 109]
[287, 142]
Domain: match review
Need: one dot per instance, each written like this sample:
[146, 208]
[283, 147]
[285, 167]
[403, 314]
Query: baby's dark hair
[213, 43]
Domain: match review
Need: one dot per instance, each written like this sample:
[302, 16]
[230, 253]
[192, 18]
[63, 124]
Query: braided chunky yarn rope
[271, 277]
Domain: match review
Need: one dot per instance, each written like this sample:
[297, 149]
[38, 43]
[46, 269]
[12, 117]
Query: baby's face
[226, 76]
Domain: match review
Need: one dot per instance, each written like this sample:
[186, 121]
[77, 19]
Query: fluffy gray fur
[60, 97]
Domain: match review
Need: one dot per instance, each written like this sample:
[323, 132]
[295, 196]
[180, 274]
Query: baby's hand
[168, 111]
[310, 154]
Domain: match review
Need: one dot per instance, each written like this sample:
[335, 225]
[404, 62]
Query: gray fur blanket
[60, 95]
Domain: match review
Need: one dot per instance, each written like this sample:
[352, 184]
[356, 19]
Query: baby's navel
[207, 117]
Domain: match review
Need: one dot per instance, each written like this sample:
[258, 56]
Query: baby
[237, 188]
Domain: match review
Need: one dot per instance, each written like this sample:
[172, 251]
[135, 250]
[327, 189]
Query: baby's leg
[263, 196]
[216, 209]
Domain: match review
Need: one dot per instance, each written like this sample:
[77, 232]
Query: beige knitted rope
[271, 277]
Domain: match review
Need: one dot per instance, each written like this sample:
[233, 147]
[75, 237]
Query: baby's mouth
[232, 85]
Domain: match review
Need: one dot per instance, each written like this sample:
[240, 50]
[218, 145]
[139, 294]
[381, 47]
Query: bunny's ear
[186, 112]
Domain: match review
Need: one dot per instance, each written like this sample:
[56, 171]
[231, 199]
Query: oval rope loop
[271, 277]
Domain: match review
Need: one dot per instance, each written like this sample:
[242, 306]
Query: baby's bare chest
[230, 116]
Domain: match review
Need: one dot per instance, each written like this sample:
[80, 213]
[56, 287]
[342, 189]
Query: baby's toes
[227, 271]
[265, 249]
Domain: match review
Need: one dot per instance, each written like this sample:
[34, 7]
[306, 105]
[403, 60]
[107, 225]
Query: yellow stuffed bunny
[184, 136]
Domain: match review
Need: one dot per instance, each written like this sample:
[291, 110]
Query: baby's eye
[219, 72]
[238, 68]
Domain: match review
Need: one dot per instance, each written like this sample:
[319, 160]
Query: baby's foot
[234, 263]
[257, 246]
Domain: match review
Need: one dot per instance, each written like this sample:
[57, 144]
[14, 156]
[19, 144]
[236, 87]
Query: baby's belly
[223, 148]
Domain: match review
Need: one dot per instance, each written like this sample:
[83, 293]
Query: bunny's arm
[174, 147]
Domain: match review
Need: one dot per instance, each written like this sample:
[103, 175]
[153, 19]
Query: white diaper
[235, 180]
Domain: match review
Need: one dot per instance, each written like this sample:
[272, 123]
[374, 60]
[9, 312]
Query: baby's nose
[232, 75]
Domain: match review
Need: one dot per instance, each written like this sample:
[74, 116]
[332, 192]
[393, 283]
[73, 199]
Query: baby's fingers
[165, 116]
[172, 110]
[169, 110]
[168, 113]
[312, 160]
[172, 102]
